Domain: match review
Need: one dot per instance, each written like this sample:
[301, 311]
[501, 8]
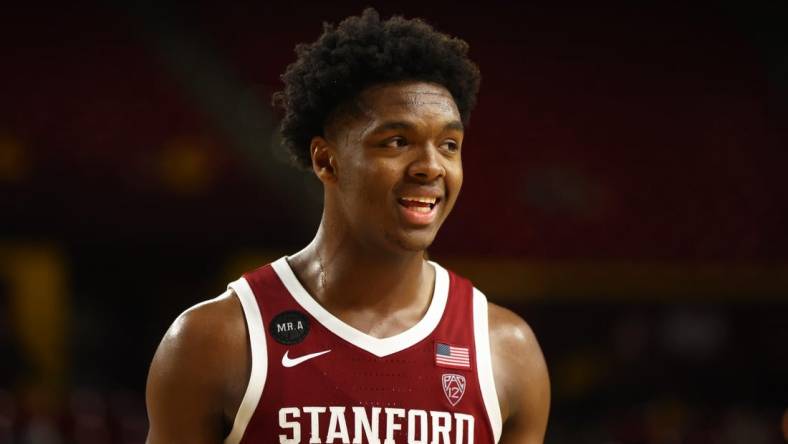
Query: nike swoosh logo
[287, 362]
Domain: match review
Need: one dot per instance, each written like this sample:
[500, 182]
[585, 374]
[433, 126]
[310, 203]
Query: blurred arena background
[625, 193]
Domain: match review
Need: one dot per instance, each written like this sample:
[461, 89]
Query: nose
[427, 165]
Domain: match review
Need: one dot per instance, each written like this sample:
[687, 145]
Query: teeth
[429, 200]
[421, 209]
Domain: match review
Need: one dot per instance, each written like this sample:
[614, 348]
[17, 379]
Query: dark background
[625, 193]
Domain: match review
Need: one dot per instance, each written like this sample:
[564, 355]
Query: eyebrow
[455, 125]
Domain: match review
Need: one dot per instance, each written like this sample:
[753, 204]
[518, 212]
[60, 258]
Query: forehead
[409, 98]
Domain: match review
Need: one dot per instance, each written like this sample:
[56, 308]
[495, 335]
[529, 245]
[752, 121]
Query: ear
[323, 159]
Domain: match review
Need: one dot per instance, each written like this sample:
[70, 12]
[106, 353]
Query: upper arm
[521, 377]
[187, 389]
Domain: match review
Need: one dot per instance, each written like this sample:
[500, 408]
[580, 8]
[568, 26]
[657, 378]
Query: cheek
[455, 178]
[371, 183]
[378, 172]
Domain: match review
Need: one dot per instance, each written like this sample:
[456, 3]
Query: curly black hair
[360, 52]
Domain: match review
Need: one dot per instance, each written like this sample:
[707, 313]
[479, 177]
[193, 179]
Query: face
[397, 165]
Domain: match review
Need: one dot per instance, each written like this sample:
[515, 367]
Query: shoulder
[204, 332]
[200, 369]
[507, 329]
[520, 372]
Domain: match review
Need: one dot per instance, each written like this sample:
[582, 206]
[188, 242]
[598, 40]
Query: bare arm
[521, 378]
[191, 396]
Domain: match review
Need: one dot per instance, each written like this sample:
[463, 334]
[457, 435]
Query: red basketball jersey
[316, 379]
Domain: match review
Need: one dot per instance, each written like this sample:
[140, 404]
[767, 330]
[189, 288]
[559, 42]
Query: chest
[330, 390]
[316, 378]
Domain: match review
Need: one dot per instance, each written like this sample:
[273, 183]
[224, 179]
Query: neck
[342, 273]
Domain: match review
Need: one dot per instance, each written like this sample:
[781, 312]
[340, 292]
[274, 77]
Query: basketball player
[357, 338]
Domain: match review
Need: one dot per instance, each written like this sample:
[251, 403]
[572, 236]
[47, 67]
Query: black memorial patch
[289, 327]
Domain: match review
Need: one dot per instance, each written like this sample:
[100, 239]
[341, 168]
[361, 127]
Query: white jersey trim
[481, 334]
[379, 347]
[259, 356]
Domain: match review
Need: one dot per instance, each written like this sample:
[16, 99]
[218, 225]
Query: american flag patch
[452, 356]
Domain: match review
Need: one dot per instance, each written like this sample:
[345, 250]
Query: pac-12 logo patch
[289, 327]
[453, 387]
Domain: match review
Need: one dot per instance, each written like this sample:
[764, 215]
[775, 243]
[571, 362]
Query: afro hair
[360, 52]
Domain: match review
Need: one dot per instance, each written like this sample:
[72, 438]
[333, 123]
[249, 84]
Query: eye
[395, 142]
[451, 145]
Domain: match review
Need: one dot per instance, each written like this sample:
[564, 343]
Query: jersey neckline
[379, 347]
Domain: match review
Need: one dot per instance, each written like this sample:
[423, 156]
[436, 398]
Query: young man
[357, 338]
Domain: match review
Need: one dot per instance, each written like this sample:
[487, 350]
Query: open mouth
[419, 204]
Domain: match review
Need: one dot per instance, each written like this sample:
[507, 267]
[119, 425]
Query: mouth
[419, 210]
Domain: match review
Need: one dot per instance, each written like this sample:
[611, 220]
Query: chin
[412, 242]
